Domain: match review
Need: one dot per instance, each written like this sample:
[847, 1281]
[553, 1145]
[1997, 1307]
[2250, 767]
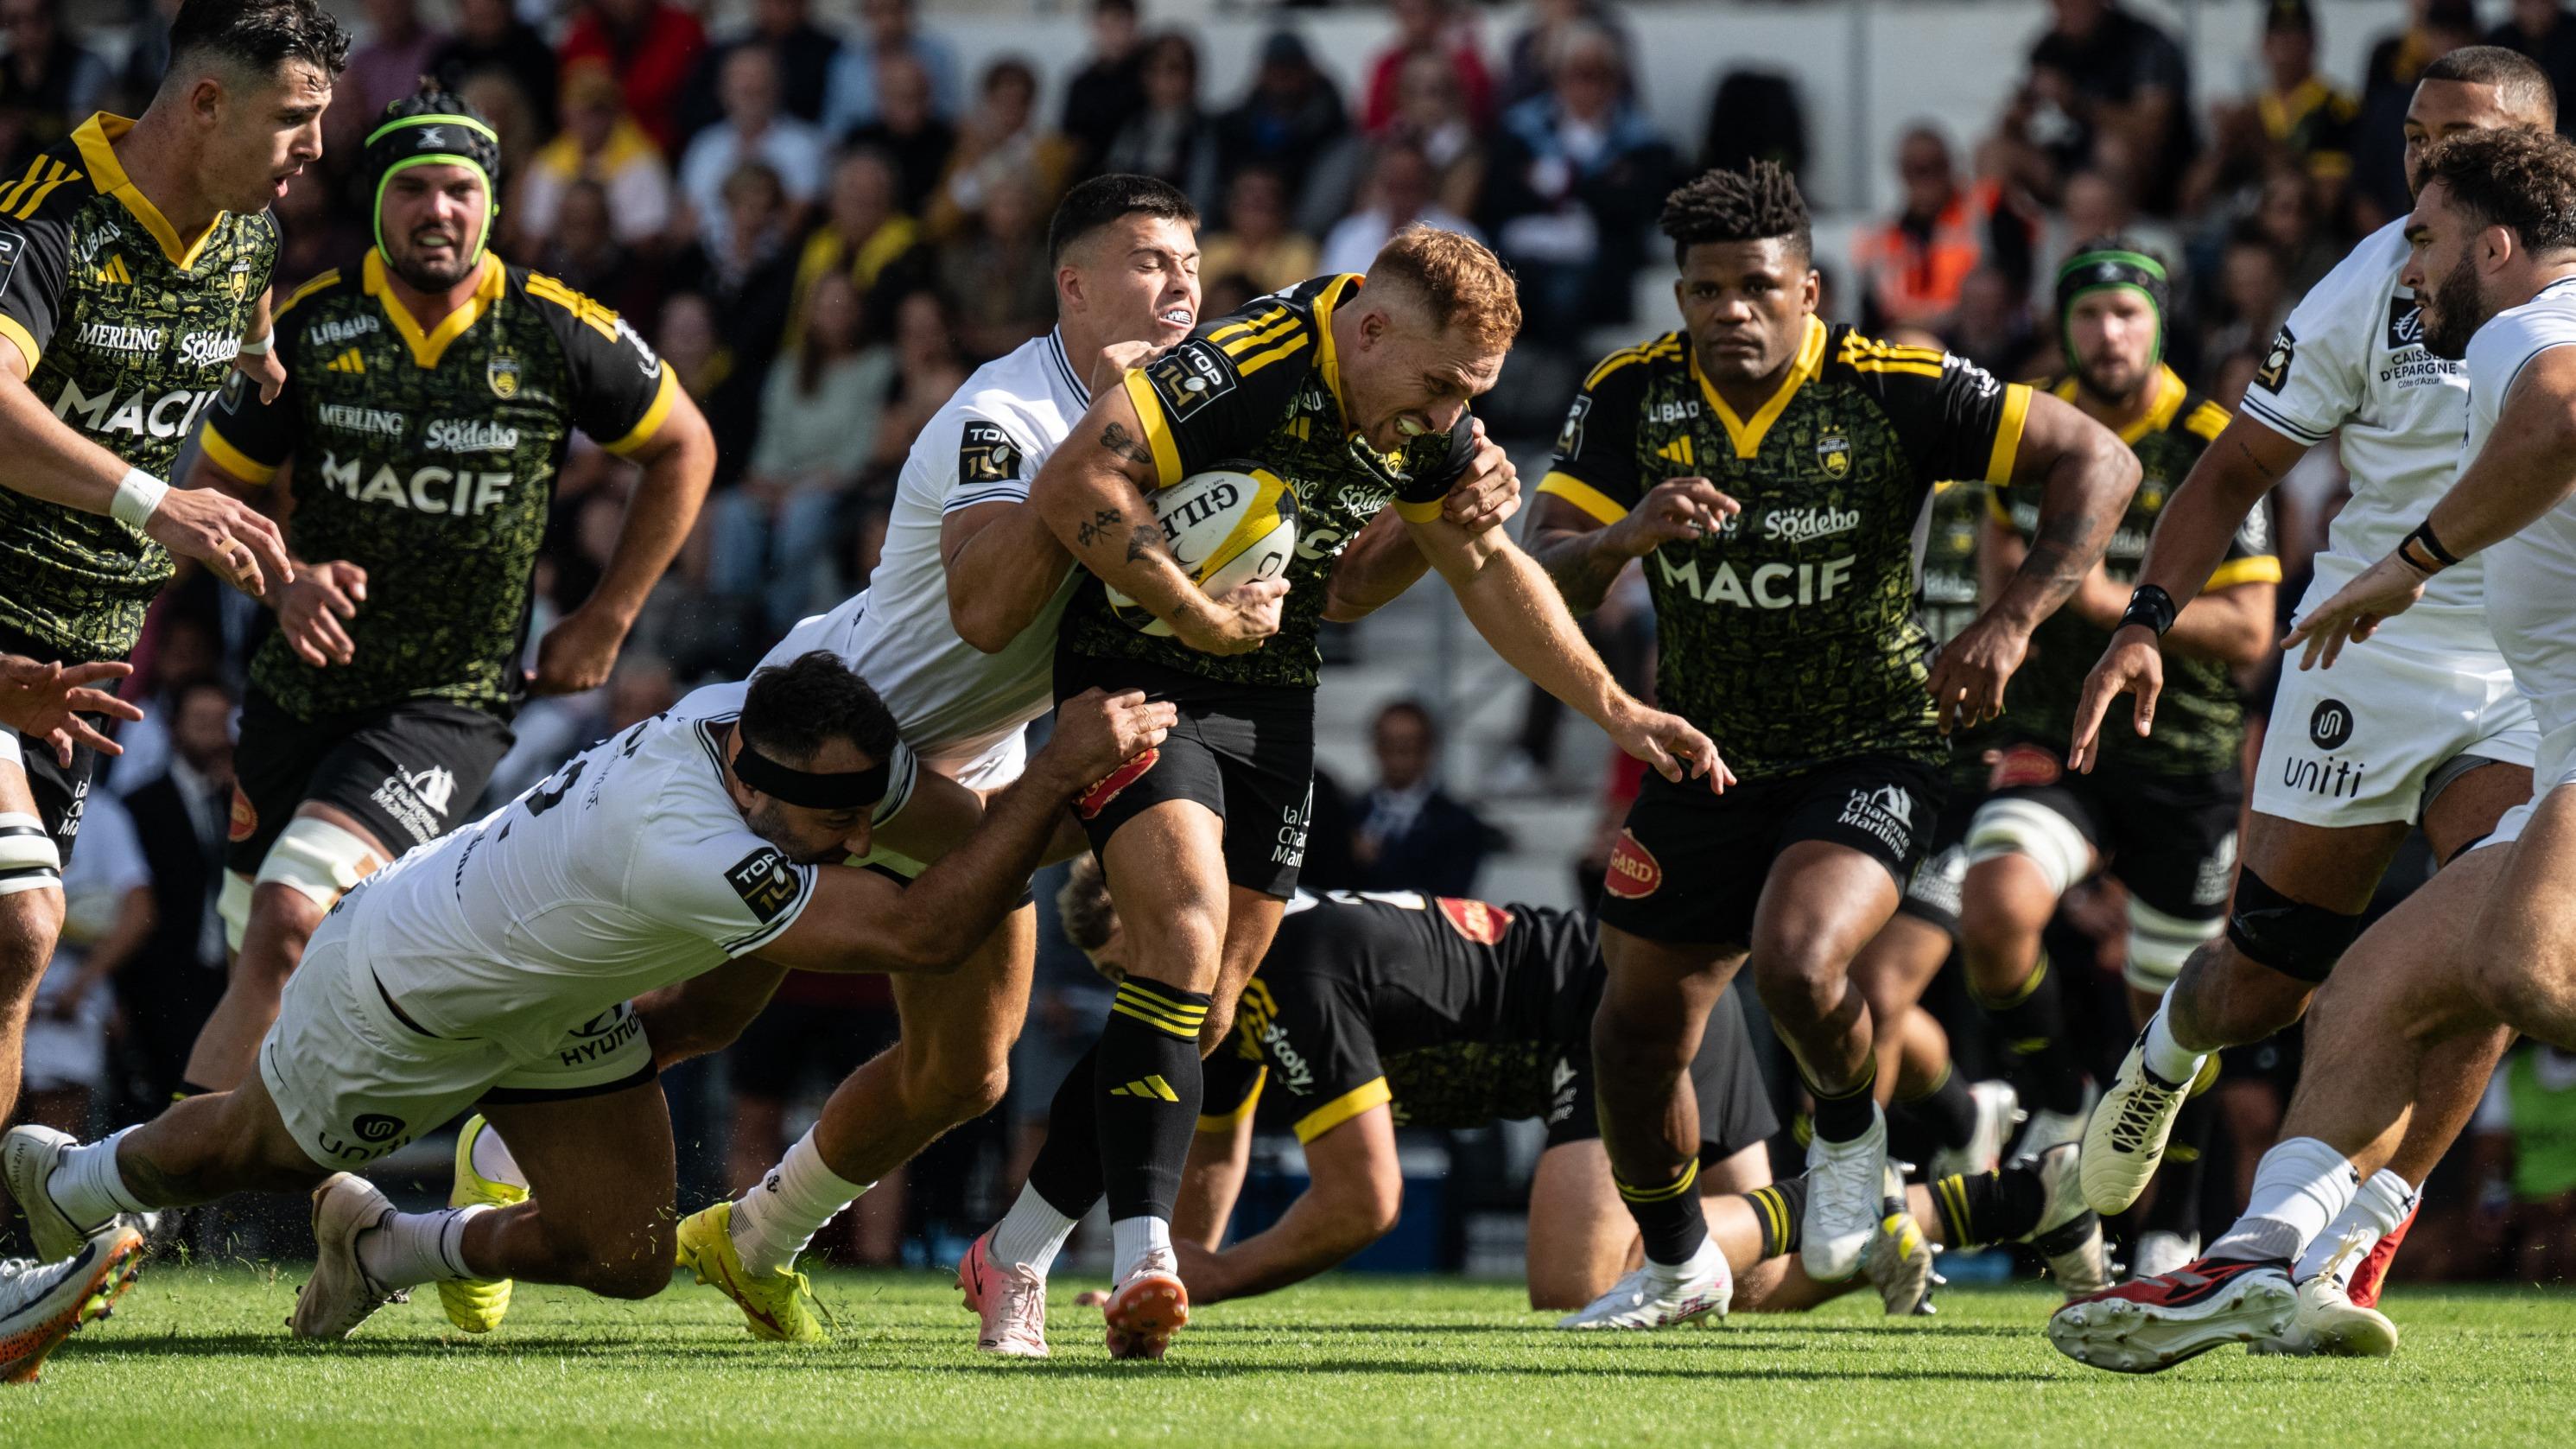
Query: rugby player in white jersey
[956, 633]
[496, 966]
[2425, 727]
[2481, 949]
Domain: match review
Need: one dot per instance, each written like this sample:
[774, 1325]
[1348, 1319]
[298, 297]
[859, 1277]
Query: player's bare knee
[30, 924]
[959, 1089]
[1801, 983]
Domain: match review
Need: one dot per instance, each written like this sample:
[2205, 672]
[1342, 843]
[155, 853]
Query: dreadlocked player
[1774, 473]
[429, 402]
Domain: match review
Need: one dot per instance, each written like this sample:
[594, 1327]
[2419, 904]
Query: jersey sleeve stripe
[654, 416]
[2295, 432]
[1627, 355]
[18, 188]
[1158, 428]
[1584, 496]
[233, 460]
[1229, 1120]
[2208, 420]
[1254, 323]
[1259, 360]
[1917, 369]
[2007, 451]
[25, 341]
[1373, 1093]
[57, 177]
[2258, 569]
[329, 278]
[1006, 493]
[1239, 345]
[745, 945]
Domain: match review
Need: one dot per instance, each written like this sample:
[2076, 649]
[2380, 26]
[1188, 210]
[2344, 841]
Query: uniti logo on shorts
[1634, 872]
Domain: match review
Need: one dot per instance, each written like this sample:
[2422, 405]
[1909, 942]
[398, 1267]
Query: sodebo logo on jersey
[457, 492]
[205, 349]
[169, 415]
[1766, 586]
[1805, 525]
[451, 435]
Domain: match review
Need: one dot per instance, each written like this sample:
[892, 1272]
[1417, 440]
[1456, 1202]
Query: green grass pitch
[199, 1357]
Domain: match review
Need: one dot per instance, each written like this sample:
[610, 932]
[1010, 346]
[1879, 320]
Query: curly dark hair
[259, 35]
[794, 709]
[2523, 181]
[1755, 204]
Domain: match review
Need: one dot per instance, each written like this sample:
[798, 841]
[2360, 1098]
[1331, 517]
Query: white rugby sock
[1130, 1239]
[492, 1159]
[781, 1213]
[2374, 1212]
[2166, 1057]
[1031, 1233]
[87, 1186]
[1708, 1257]
[2301, 1186]
[408, 1249]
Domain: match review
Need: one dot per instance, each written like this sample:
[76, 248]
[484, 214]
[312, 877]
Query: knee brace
[2159, 944]
[319, 860]
[232, 907]
[2017, 826]
[29, 860]
[2298, 940]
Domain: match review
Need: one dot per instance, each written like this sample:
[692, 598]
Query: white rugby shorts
[2355, 744]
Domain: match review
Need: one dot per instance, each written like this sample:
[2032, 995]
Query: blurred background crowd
[825, 218]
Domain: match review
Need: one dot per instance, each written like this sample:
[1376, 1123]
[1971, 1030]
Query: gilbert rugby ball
[1227, 525]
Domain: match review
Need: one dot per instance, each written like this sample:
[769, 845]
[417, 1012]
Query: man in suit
[183, 817]
[1413, 835]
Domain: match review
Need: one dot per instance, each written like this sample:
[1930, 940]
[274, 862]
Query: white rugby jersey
[627, 869]
[2351, 360]
[2532, 604]
[951, 700]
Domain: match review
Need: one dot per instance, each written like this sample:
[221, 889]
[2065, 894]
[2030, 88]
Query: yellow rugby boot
[773, 1303]
[472, 1304]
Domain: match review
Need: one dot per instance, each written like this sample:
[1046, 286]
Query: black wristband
[2150, 606]
[2433, 549]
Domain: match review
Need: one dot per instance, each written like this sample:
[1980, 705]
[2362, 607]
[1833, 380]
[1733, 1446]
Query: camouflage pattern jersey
[1264, 386]
[1452, 1010]
[1790, 637]
[128, 333]
[429, 459]
[2200, 719]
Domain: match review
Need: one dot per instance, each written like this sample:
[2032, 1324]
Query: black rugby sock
[1989, 1207]
[1147, 1092]
[1067, 1170]
[1668, 1215]
[1777, 1210]
[2045, 1070]
[1845, 1117]
[1947, 1110]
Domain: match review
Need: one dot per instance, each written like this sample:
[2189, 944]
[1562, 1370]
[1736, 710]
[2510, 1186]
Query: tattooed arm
[2084, 476]
[1091, 492]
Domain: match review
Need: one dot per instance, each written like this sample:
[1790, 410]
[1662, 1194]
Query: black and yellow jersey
[128, 330]
[1947, 582]
[2200, 718]
[1450, 1010]
[428, 459]
[1790, 636]
[1264, 385]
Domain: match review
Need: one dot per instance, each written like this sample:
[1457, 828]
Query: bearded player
[1774, 473]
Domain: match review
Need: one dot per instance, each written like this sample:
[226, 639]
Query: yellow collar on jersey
[97, 138]
[428, 347]
[1747, 434]
[1327, 357]
[2170, 391]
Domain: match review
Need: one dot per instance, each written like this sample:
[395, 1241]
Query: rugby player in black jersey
[1773, 473]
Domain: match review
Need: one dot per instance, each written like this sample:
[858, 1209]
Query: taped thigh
[320, 861]
[2016, 825]
[29, 859]
[2160, 943]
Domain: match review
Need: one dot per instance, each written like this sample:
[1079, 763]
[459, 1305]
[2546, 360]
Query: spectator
[1910, 270]
[147, 54]
[2304, 116]
[2289, 215]
[928, 371]
[2253, 298]
[996, 280]
[2543, 30]
[803, 52]
[1289, 122]
[182, 817]
[1171, 139]
[2102, 73]
[1399, 194]
[313, 235]
[1109, 90]
[107, 917]
[888, 28]
[650, 46]
[752, 130]
[1992, 326]
[1578, 177]
[386, 69]
[863, 237]
[599, 142]
[181, 644]
[908, 131]
[819, 414]
[516, 131]
[1000, 140]
[1436, 28]
[2525, 1148]
[686, 335]
[1532, 52]
[744, 268]
[584, 253]
[48, 82]
[1431, 113]
[491, 36]
[1413, 835]
[1258, 241]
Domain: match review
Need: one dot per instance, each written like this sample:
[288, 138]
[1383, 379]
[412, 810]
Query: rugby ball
[1227, 525]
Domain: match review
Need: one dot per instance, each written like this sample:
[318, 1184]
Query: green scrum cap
[2107, 266]
[432, 129]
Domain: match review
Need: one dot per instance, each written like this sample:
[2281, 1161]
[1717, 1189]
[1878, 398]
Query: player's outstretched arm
[1383, 562]
[46, 702]
[860, 921]
[2084, 476]
[1091, 493]
[48, 460]
[679, 461]
[1356, 1193]
[2526, 467]
[1212, 1178]
[1001, 563]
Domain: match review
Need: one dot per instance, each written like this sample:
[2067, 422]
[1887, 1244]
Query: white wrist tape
[135, 499]
[261, 347]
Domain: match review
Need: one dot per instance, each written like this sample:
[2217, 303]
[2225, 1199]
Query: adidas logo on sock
[1153, 1087]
